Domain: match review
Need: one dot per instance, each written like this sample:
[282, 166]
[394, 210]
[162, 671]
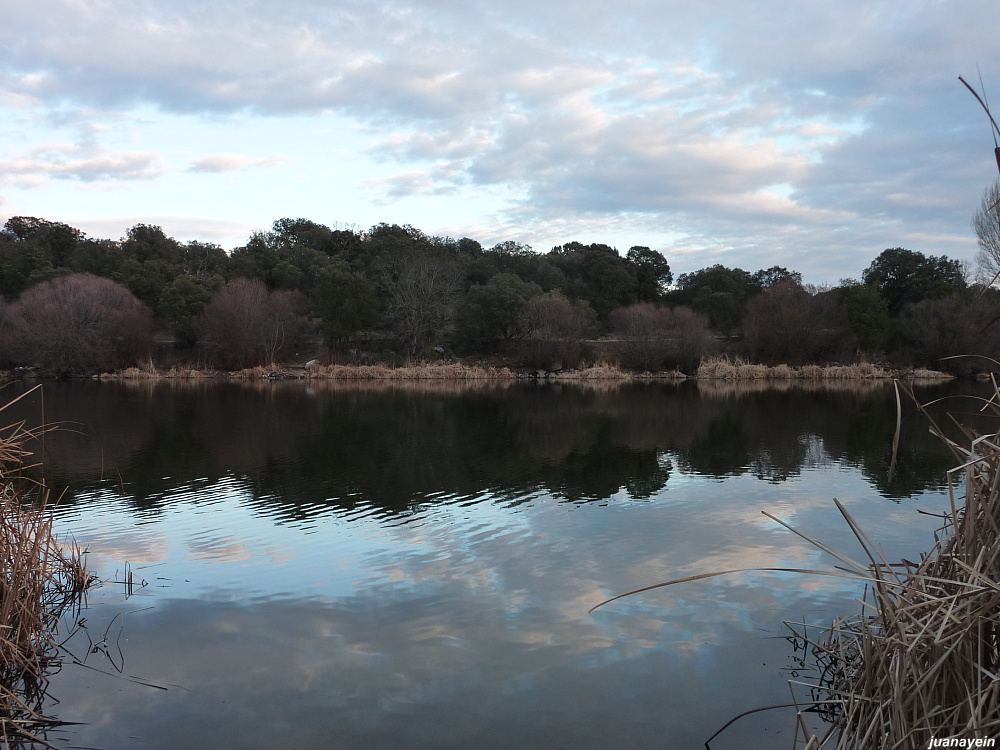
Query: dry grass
[923, 374]
[423, 371]
[599, 371]
[724, 368]
[40, 582]
[149, 371]
[922, 662]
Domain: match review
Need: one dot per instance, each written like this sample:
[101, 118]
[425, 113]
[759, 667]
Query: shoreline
[714, 369]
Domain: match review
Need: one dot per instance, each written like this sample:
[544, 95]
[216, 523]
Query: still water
[412, 567]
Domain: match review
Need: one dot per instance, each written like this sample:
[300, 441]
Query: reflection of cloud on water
[298, 674]
[223, 549]
[110, 548]
[470, 622]
[461, 612]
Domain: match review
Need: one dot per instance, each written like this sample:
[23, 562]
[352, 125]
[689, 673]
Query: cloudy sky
[810, 134]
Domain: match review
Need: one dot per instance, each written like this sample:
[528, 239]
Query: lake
[357, 566]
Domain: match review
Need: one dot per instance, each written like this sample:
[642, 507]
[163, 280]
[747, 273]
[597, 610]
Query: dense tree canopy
[393, 287]
[904, 276]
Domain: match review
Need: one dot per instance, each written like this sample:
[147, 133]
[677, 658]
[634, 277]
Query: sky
[811, 135]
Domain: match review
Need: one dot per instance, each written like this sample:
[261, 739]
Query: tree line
[75, 304]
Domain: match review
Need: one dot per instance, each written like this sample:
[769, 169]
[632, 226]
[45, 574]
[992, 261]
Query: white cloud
[56, 162]
[672, 117]
[231, 162]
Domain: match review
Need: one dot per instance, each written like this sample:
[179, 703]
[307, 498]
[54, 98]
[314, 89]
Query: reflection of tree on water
[304, 450]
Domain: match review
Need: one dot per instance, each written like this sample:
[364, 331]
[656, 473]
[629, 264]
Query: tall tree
[492, 311]
[904, 276]
[652, 273]
[720, 293]
[986, 223]
[33, 250]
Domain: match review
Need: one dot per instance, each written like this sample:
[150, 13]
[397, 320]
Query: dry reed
[40, 583]
[724, 368]
[598, 371]
[422, 371]
[922, 663]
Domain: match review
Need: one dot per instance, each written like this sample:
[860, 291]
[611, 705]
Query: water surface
[353, 566]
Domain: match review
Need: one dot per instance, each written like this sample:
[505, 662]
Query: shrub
[553, 329]
[786, 323]
[245, 325]
[651, 337]
[77, 324]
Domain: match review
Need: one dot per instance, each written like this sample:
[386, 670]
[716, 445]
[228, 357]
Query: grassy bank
[40, 582]
[709, 369]
[724, 368]
[450, 371]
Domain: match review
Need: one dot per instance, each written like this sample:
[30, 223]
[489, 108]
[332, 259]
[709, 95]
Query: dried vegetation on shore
[709, 369]
[41, 582]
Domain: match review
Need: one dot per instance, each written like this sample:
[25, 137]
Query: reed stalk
[40, 583]
[922, 660]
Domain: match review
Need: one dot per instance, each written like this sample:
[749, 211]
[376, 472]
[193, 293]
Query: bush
[245, 325]
[652, 337]
[552, 328]
[786, 323]
[77, 324]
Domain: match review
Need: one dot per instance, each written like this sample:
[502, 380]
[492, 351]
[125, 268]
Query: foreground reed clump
[40, 583]
[923, 662]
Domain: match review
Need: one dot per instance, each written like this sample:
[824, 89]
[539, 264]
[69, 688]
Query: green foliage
[33, 250]
[652, 273]
[768, 277]
[396, 278]
[182, 301]
[720, 293]
[596, 274]
[867, 316]
[278, 259]
[344, 301]
[492, 311]
[904, 276]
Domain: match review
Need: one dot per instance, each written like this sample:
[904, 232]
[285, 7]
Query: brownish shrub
[652, 337]
[77, 324]
[786, 323]
[553, 329]
[245, 325]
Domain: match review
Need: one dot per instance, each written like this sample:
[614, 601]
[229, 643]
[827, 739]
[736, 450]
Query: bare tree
[651, 336]
[422, 293]
[244, 324]
[692, 338]
[553, 329]
[986, 224]
[77, 324]
[786, 323]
